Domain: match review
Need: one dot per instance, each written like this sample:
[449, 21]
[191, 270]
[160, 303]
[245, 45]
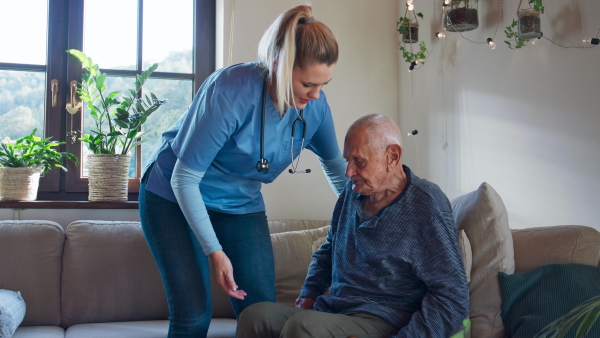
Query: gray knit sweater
[403, 265]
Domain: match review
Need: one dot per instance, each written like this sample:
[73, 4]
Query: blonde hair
[294, 39]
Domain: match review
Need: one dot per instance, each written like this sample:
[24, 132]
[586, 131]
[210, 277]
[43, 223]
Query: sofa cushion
[39, 332]
[285, 225]
[564, 244]
[483, 216]
[12, 311]
[466, 252]
[31, 254]
[533, 299]
[109, 275]
[293, 252]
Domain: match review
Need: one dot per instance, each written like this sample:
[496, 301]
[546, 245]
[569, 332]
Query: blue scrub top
[220, 134]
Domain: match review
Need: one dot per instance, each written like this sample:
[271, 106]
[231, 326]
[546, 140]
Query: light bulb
[491, 43]
[440, 35]
[411, 7]
[587, 40]
[534, 41]
[409, 2]
[412, 133]
[447, 2]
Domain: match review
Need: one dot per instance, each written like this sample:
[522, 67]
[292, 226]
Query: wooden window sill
[67, 205]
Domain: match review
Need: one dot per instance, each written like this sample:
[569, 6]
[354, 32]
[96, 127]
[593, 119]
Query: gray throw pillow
[12, 312]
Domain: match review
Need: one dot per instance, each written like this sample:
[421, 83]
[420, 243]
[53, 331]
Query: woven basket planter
[19, 184]
[108, 177]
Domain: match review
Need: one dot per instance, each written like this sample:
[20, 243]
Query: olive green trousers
[266, 319]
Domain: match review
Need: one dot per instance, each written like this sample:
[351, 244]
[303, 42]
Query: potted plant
[461, 15]
[528, 25]
[408, 28]
[118, 117]
[23, 160]
[586, 314]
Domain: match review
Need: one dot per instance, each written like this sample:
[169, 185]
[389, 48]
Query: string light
[440, 35]
[412, 66]
[410, 5]
[447, 2]
[591, 41]
[411, 133]
[491, 43]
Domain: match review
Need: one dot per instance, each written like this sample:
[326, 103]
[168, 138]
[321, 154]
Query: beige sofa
[98, 278]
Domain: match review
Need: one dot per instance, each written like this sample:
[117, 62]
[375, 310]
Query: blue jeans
[184, 268]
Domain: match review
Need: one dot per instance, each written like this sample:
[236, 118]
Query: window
[124, 37]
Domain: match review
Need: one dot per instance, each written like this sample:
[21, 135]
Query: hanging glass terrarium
[529, 24]
[461, 15]
[408, 27]
[411, 33]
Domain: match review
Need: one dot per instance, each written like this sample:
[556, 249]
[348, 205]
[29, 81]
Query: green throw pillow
[531, 300]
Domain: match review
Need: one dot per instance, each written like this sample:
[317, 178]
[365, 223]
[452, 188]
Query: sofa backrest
[109, 275]
[30, 262]
[561, 244]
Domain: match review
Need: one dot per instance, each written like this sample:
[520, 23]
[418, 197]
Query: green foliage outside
[117, 119]
[31, 152]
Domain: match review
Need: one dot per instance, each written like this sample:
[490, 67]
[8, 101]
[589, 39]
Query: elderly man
[391, 260]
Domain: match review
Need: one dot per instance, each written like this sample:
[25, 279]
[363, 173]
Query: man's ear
[394, 154]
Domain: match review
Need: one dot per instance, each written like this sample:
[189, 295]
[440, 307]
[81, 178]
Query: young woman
[200, 194]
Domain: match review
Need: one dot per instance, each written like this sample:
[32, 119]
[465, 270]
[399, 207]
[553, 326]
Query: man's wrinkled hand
[305, 303]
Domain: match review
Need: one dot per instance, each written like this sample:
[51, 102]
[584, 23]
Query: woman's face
[307, 82]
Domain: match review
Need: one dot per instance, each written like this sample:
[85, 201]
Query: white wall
[365, 81]
[526, 121]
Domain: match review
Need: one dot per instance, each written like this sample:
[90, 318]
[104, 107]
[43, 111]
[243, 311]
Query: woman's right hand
[224, 274]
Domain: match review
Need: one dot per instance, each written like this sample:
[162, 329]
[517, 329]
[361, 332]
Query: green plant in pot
[409, 28]
[117, 122]
[461, 15]
[586, 314]
[22, 161]
[526, 27]
[118, 117]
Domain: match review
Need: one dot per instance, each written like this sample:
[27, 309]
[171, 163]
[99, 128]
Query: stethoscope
[263, 165]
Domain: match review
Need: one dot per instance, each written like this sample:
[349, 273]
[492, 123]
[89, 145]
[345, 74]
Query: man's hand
[224, 274]
[305, 303]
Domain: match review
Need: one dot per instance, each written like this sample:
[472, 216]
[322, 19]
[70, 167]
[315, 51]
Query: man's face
[367, 166]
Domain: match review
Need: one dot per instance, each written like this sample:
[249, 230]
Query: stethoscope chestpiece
[262, 166]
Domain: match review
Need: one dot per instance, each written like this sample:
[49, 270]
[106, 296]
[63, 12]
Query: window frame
[65, 31]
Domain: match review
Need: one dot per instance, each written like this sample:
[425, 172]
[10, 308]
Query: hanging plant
[527, 26]
[461, 15]
[414, 57]
[409, 28]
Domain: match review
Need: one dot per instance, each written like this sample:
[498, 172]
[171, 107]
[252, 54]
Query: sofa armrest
[562, 244]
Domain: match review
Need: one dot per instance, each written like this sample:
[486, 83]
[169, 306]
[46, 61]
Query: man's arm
[440, 267]
[318, 278]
